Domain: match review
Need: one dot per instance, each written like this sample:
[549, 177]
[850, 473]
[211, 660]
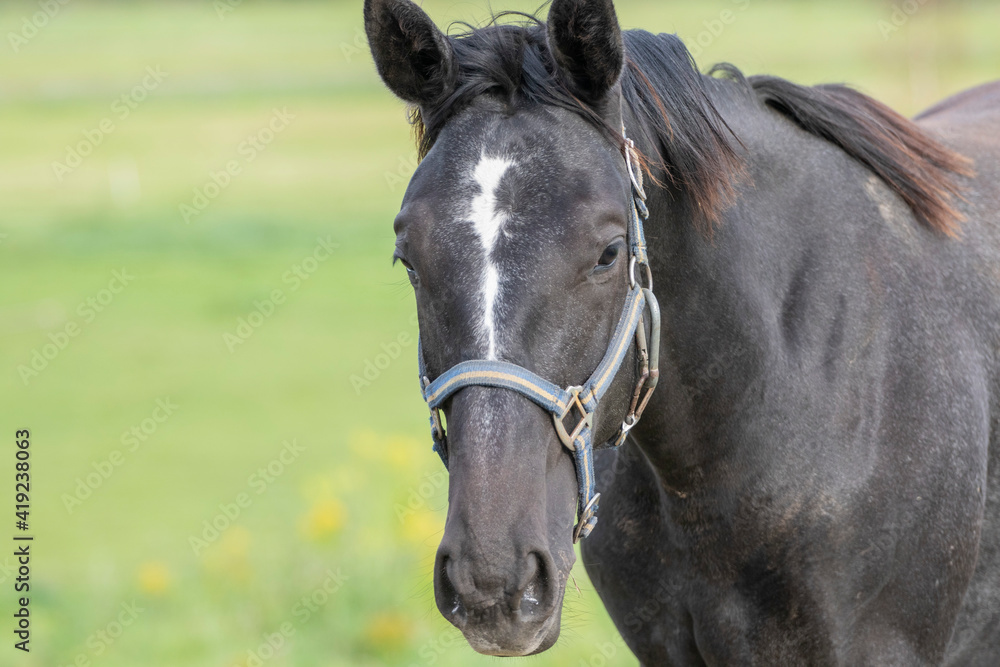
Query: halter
[576, 402]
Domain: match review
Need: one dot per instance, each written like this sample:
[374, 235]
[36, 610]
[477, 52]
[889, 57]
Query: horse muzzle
[511, 610]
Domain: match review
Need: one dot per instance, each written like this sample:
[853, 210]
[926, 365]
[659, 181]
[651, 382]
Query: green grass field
[240, 319]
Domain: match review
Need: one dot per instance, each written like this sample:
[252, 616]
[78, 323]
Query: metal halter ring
[631, 273]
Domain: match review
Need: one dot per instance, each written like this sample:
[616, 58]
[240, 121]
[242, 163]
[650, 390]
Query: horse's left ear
[413, 57]
[586, 42]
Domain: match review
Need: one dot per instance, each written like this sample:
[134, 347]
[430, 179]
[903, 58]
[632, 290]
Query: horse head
[514, 233]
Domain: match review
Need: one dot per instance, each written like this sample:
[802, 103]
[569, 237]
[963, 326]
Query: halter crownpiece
[577, 402]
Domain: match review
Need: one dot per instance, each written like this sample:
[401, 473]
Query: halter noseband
[580, 401]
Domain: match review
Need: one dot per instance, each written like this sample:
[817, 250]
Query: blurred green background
[237, 316]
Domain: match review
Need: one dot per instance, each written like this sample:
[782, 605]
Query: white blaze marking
[487, 221]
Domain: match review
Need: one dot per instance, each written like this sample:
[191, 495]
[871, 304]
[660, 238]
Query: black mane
[914, 165]
[693, 148]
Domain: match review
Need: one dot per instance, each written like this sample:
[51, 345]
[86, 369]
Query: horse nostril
[448, 599]
[535, 595]
[531, 599]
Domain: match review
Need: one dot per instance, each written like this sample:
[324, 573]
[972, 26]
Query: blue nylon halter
[582, 399]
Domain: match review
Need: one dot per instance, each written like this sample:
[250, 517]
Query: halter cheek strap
[576, 404]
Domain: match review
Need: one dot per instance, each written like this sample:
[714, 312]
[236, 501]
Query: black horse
[817, 478]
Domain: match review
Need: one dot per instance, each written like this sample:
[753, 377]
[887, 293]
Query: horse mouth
[517, 612]
[514, 637]
[499, 630]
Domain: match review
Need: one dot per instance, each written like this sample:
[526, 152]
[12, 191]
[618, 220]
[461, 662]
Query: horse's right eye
[609, 256]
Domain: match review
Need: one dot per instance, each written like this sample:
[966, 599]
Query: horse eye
[410, 273]
[609, 255]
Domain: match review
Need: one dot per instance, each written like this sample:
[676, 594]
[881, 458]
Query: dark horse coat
[817, 478]
[822, 484]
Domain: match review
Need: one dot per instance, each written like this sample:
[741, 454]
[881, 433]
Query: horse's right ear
[413, 57]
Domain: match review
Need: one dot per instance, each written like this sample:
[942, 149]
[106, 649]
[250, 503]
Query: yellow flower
[365, 443]
[403, 452]
[388, 631]
[422, 527]
[154, 578]
[229, 556]
[323, 520]
[343, 480]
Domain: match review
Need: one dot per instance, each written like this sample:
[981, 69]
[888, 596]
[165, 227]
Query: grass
[338, 171]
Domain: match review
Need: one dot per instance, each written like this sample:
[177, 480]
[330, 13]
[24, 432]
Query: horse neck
[738, 301]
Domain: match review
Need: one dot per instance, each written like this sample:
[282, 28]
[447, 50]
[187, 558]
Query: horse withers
[816, 479]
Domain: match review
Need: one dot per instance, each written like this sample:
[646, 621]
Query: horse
[816, 479]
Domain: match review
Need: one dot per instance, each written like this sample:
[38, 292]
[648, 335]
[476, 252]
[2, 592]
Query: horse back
[969, 122]
[979, 105]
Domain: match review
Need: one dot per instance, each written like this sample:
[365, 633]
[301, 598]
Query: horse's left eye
[609, 255]
[410, 272]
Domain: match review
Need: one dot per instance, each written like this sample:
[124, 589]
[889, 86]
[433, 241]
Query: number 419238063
[22, 478]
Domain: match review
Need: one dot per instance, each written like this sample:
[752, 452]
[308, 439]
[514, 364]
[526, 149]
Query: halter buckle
[634, 170]
[583, 523]
[437, 429]
[586, 420]
[438, 434]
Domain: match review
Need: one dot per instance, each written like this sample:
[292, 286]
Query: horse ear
[413, 57]
[586, 42]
